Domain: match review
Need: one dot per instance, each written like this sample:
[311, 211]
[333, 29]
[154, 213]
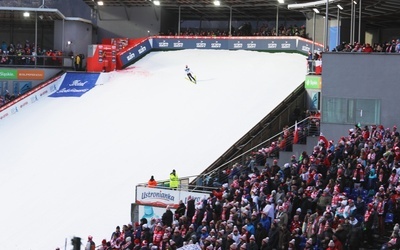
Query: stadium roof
[375, 13]
[16, 14]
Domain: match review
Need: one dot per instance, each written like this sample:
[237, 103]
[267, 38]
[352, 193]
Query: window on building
[350, 111]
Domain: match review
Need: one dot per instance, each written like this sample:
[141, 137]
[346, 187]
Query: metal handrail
[35, 61]
[305, 123]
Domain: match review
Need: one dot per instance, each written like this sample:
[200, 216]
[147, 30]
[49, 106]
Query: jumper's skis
[195, 82]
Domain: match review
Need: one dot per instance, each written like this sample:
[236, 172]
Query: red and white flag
[295, 134]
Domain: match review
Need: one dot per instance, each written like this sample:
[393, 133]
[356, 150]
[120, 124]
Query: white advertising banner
[159, 197]
[30, 97]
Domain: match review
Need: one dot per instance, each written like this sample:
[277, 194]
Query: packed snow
[70, 165]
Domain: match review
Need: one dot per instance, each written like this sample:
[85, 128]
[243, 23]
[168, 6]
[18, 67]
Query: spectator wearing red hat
[104, 245]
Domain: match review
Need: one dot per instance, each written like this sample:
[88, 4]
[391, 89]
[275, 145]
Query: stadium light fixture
[281, 1]
[26, 14]
[100, 3]
[217, 3]
[309, 4]
[316, 10]
[157, 3]
[340, 7]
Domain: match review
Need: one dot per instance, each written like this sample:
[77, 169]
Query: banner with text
[76, 84]
[235, 43]
[159, 197]
[22, 74]
[134, 53]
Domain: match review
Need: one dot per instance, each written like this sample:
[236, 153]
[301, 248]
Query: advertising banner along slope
[76, 84]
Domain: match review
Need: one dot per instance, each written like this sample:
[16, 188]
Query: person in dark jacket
[190, 208]
[168, 217]
[180, 211]
[273, 236]
[177, 238]
[260, 234]
[354, 237]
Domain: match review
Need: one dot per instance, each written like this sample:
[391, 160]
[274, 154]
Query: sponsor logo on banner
[52, 88]
[22, 74]
[165, 197]
[142, 50]
[157, 197]
[216, 45]
[197, 197]
[76, 85]
[130, 56]
[9, 74]
[25, 74]
[272, 45]
[43, 93]
[313, 82]
[201, 45]
[178, 45]
[305, 48]
[251, 45]
[3, 116]
[285, 45]
[14, 110]
[238, 45]
[23, 104]
[34, 98]
[163, 44]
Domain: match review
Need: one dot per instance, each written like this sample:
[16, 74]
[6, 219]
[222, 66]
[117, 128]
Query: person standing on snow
[189, 74]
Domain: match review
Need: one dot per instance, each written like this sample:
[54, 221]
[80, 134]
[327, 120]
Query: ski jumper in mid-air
[189, 74]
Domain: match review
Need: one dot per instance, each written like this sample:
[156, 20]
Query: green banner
[313, 82]
[10, 74]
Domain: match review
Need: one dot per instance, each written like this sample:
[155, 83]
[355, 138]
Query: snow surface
[70, 165]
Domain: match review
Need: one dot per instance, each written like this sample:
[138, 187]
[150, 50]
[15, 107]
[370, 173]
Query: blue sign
[22, 87]
[76, 84]
[135, 53]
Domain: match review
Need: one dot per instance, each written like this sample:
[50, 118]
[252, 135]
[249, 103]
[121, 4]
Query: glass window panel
[350, 111]
[334, 110]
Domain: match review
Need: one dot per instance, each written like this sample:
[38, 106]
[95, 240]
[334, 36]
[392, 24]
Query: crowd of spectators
[24, 54]
[342, 195]
[392, 46]
[245, 30]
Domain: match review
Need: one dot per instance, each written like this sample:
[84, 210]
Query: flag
[295, 134]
